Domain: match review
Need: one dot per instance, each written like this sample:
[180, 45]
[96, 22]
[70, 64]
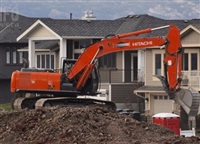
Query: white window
[20, 57]
[13, 56]
[160, 97]
[158, 66]
[45, 60]
[191, 60]
[7, 55]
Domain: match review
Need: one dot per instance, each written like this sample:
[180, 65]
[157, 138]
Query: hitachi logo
[145, 43]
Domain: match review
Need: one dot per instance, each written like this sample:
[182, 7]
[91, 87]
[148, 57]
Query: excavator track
[38, 102]
[24, 103]
[62, 101]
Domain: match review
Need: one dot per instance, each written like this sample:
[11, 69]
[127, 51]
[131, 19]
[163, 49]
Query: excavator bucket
[189, 100]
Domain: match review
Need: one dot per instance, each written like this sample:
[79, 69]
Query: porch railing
[191, 78]
[121, 76]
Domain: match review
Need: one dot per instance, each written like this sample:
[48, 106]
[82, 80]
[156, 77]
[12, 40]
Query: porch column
[63, 51]
[141, 60]
[31, 53]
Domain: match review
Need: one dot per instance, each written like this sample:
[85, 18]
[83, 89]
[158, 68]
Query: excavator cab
[91, 85]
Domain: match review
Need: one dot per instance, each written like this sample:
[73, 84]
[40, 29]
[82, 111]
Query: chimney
[70, 16]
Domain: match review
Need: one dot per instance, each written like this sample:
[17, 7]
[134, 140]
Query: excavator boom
[172, 78]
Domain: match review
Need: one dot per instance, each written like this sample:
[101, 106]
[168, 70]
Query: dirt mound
[83, 125]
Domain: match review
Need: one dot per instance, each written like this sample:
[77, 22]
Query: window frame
[45, 54]
[78, 50]
[190, 52]
[14, 57]
[154, 52]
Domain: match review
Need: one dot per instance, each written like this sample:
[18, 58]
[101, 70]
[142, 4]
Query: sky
[103, 9]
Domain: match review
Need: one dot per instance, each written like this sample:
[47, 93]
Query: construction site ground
[82, 125]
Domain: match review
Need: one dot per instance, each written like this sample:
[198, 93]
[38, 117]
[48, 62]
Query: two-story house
[49, 40]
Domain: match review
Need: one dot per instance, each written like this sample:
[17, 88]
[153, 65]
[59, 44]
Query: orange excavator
[43, 87]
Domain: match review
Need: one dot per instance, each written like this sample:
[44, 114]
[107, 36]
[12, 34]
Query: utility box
[169, 120]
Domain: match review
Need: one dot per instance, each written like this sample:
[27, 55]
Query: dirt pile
[83, 125]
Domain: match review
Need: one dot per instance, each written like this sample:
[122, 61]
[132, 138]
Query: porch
[191, 79]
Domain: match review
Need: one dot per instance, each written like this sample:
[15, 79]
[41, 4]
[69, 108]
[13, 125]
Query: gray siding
[193, 38]
[110, 76]
[5, 94]
[7, 69]
[150, 80]
[149, 68]
[6, 72]
[123, 93]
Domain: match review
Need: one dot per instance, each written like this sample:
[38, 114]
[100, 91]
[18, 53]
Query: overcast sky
[104, 9]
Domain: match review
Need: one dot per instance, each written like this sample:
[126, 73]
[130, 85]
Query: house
[47, 41]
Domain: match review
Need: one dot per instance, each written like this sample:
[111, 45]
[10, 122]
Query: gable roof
[31, 28]
[94, 28]
[139, 22]
[194, 27]
[10, 30]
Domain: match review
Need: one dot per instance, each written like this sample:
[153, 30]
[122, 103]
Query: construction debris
[82, 125]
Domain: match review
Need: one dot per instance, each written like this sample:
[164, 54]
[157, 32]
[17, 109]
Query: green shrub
[6, 106]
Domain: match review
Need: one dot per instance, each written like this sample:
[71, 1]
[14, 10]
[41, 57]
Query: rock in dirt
[82, 125]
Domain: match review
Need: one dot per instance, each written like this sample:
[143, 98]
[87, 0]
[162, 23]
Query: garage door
[162, 104]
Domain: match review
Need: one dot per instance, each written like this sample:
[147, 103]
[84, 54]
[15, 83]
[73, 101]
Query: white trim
[31, 53]
[109, 94]
[45, 53]
[36, 50]
[191, 45]
[43, 38]
[189, 27]
[33, 26]
[154, 52]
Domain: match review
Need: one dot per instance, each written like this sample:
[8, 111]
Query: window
[15, 57]
[190, 60]
[160, 97]
[158, 64]
[8, 55]
[185, 61]
[108, 61]
[45, 60]
[155, 97]
[80, 45]
[193, 61]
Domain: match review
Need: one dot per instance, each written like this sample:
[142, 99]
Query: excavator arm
[172, 78]
[123, 42]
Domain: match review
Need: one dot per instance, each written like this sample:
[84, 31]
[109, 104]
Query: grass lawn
[6, 106]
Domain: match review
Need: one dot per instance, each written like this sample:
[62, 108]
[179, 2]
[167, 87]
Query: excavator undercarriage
[28, 101]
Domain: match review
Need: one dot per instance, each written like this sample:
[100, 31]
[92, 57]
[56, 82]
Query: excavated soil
[82, 125]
